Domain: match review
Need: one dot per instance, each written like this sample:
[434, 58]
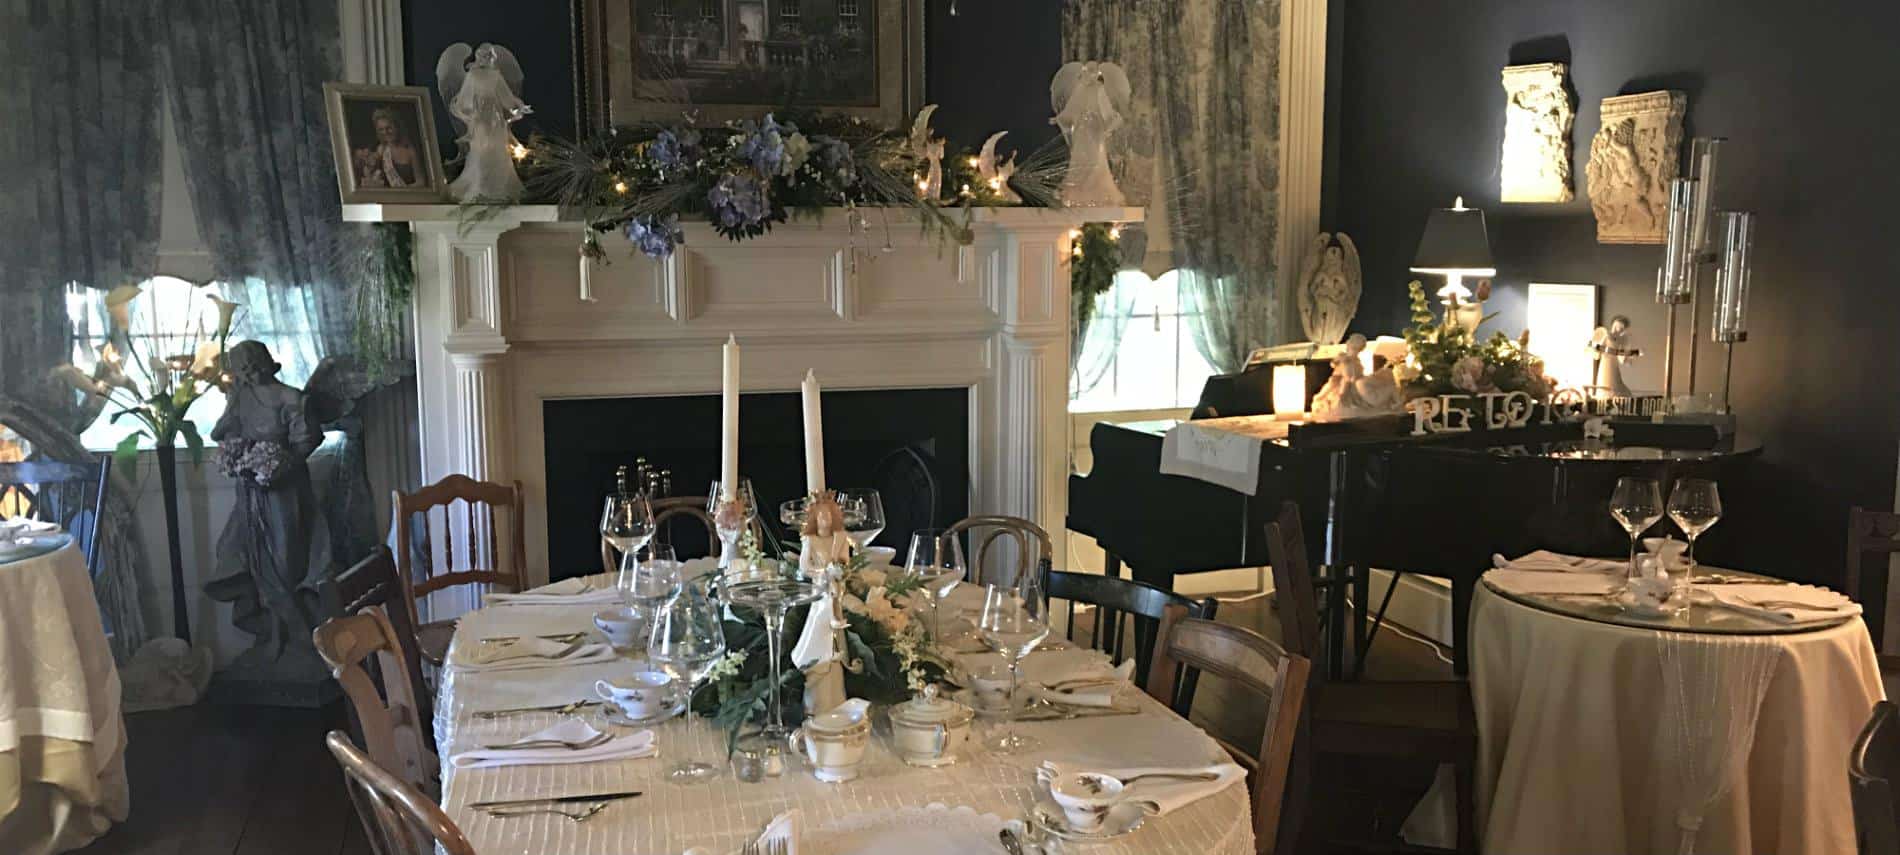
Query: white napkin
[563, 593]
[27, 525]
[1544, 582]
[783, 828]
[526, 653]
[630, 746]
[1544, 560]
[1816, 603]
[1091, 695]
[1160, 796]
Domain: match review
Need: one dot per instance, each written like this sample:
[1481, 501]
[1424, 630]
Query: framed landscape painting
[712, 61]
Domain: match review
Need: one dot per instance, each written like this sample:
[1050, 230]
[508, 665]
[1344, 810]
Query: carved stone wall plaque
[1632, 160]
[1537, 122]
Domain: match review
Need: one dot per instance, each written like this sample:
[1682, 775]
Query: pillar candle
[814, 436]
[729, 422]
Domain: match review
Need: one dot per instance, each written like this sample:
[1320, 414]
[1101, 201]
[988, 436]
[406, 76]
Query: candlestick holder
[767, 588]
[733, 510]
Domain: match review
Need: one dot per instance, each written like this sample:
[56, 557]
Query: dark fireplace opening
[913, 445]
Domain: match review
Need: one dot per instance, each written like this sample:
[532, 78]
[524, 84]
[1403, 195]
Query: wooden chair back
[398, 819]
[1871, 769]
[1028, 547]
[1257, 665]
[374, 584]
[71, 494]
[387, 716]
[1126, 615]
[1293, 583]
[483, 503]
[1872, 536]
[664, 510]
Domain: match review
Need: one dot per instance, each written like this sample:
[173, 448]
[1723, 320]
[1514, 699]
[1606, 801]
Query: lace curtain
[1205, 123]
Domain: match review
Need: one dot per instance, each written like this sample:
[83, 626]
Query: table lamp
[1455, 245]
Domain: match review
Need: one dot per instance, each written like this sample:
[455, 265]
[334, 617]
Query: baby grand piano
[1371, 495]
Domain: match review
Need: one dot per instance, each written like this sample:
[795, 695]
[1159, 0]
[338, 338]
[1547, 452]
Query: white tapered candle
[814, 436]
[729, 422]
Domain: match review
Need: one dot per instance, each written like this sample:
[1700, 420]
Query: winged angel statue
[483, 97]
[1089, 99]
[1329, 287]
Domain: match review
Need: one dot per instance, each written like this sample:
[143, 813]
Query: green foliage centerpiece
[1445, 357]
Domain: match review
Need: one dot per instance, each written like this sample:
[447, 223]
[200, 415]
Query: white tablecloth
[1577, 755]
[62, 739]
[670, 818]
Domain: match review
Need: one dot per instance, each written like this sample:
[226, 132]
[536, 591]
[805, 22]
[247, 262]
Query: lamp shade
[1455, 242]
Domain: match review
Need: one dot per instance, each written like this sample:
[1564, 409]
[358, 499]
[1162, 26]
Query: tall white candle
[729, 422]
[814, 436]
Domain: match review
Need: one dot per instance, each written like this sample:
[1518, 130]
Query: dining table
[889, 797]
[62, 733]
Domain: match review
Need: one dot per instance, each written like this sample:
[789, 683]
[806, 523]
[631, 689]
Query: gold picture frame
[377, 132]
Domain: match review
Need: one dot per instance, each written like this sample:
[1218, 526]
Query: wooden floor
[219, 780]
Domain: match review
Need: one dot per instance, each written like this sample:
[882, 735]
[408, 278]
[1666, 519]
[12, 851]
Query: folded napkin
[1544, 560]
[785, 829]
[527, 653]
[630, 746]
[1160, 796]
[567, 592]
[1543, 582]
[27, 525]
[1084, 691]
[1783, 603]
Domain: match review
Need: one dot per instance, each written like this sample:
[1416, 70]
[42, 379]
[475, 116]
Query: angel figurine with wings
[1089, 99]
[929, 152]
[1329, 287]
[483, 97]
[995, 174]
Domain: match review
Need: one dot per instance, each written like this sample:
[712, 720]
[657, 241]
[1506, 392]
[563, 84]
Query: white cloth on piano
[1225, 452]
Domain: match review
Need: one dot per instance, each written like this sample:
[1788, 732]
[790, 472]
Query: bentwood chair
[398, 819]
[1872, 536]
[1014, 544]
[1126, 617]
[373, 584]
[388, 716]
[665, 510]
[1871, 769]
[482, 504]
[71, 494]
[1427, 720]
[1257, 665]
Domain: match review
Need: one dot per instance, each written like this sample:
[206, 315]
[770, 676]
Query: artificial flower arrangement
[891, 655]
[1445, 357]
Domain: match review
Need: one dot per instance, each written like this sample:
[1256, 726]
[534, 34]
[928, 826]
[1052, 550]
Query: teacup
[1086, 798]
[623, 627]
[834, 742]
[643, 695]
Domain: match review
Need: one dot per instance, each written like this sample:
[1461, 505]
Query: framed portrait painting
[718, 60]
[383, 140]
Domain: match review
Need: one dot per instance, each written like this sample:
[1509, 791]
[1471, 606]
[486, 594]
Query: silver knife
[602, 797]
[1064, 713]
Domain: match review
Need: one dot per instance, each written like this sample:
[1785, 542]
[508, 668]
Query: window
[709, 9]
[848, 10]
[1155, 364]
[788, 9]
[663, 11]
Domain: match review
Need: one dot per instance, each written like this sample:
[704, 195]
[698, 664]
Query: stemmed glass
[936, 562]
[1636, 504]
[1695, 505]
[687, 640]
[863, 515]
[771, 588]
[1015, 619]
[627, 524]
[729, 524]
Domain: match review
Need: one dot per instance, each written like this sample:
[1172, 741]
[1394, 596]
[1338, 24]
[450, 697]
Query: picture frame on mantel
[383, 141]
[708, 62]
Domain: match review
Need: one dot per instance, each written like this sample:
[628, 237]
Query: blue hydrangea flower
[673, 149]
[656, 236]
[738, 201]
[764, 146]
[833, 157]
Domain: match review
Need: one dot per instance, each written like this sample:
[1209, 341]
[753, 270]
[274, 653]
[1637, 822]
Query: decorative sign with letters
[1507, 410]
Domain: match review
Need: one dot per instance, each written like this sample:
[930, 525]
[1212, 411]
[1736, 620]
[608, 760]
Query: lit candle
[729, 422]
[814, 437]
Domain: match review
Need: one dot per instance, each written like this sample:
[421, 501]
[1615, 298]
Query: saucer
[614, 716]
[1643, 607]
[1123, 819]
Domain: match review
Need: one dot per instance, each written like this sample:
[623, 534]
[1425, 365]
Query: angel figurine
[1089, 99]
[995, 176]
[483, 97]
[1612, 350]
[1329, 289]
[930, 150]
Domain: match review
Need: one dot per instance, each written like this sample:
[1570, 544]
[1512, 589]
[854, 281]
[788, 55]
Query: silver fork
[751, 847]
[572, 745]
[576, 816]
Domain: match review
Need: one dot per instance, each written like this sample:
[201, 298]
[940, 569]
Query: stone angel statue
[484, 98]
[1330, 284]
[995, 176]
[930, 150]
[1089, 99]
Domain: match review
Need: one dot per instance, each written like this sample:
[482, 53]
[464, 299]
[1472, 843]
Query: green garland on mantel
[1095, 256]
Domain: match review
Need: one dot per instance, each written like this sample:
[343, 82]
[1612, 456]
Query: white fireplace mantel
[501, 328]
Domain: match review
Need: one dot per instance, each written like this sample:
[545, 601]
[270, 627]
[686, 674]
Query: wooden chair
[663, 511]
[373, 584]
[1871, 769]
[1033, 551]
[71, 494]
[1429, 720]
[398, 819]
[1122, 605]
[1260, 666]
[481, 501]
[388, 717]
[1872, 536]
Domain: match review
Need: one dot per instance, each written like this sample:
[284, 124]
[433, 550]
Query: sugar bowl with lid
[929, 730]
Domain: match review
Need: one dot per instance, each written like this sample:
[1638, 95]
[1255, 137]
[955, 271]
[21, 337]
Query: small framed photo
[383, 138]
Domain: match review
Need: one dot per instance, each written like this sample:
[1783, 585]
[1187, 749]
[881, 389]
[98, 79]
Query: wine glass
[627, 524]
[1636, 504]
[687, 640]
[648, 582]
[1695, 505]
[1015, 619]
[936, 562]
[863, 515]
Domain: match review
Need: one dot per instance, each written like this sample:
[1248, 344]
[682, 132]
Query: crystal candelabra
[1730, 323]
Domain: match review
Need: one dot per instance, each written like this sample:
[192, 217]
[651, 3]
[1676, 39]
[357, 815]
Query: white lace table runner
[1220, 451]
[1714, 688]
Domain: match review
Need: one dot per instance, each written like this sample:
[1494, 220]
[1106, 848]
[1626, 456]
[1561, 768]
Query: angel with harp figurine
[1330, 284]
[1089, 99]
[484, 98]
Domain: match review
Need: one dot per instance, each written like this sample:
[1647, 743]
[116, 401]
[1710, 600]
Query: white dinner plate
[933, 830]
